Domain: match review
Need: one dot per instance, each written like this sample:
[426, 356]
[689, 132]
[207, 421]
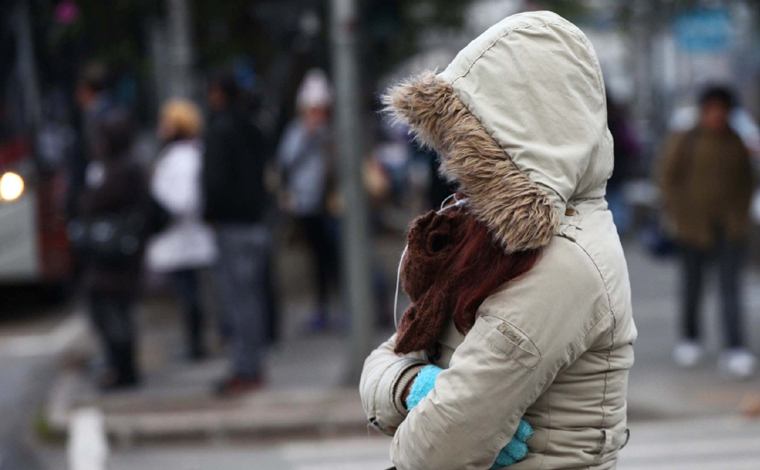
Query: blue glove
[512, 453]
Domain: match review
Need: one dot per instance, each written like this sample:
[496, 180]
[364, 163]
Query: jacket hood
[519, 119]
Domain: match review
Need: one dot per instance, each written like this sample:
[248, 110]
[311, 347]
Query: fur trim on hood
[519, 120]
[521, 218]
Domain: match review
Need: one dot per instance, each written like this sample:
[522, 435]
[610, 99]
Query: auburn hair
[482, 267]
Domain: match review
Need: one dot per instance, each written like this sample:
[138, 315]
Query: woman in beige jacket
[519, 119]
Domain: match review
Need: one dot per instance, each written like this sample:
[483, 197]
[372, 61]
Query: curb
[270, 413]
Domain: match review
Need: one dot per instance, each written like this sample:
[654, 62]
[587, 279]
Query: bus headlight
[11, 186]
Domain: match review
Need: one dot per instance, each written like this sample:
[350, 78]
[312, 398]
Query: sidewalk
[704, 444]
[658, 389]
[305, 395]
[307, 390]
[308, 394]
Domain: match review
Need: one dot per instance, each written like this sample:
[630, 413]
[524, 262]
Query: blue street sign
[704, 31]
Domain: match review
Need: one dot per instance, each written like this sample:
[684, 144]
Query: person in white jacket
[187, 244]
[519, 120]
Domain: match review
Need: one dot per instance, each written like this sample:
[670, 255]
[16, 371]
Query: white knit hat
[315, 90]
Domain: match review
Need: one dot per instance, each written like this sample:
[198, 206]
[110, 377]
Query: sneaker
[687, 354]
[737, 363]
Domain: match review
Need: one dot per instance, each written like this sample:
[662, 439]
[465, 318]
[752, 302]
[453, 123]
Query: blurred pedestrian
[93, 100]
[706, 183]
[439, 188]
[236, 203]
[625, 154]
[304, 159]
[113, 209]
[186, 245]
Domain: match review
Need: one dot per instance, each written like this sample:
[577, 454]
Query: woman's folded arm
[507, 360]
[384, 378]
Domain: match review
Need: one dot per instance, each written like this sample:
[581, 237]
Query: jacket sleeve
[384, 378]
[524, 336]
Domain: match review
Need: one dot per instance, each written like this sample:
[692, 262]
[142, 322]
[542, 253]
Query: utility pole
[356, 284]
[643, 28]
[180, 49]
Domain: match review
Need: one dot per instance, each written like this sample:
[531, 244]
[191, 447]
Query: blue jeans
[241, 278]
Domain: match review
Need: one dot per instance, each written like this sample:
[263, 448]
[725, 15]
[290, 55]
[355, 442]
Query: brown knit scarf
[432, 291]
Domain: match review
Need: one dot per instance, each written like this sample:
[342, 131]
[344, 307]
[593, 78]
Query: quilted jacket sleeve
[384, 378]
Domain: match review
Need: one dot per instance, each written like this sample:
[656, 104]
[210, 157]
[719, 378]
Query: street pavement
[703, 444]
[33, 331]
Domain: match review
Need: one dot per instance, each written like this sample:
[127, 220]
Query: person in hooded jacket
[187, 245]
[519, 121]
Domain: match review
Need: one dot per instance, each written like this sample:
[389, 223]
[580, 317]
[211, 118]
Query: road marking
[369, 464]
[49, 344]
[343, 454]
[87, 447]
[701, 444]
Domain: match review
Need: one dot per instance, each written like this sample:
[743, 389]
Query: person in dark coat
[235, 204]
[706, 183]
[93, 102]
[115, 188]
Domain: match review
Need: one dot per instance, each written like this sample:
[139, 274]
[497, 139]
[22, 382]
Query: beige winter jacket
[519, 119]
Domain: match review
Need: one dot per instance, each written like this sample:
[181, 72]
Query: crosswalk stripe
[368, 464]
[706, 446]
[748, 463]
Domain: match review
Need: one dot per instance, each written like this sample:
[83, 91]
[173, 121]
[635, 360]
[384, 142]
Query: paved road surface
[31, 332]
[710, 444]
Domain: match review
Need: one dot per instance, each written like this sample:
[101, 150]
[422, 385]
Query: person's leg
[314, 230]
[250, 315]
[688, 352]
[331, 231]
[187, 287]
[270, 288]
[223, 284]
[98, 312]
[693, 276]
[736, 360]
[245, 253]
[115, 323]
[730, 266]
[124, 307]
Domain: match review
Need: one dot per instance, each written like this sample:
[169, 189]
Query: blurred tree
[281, 38]
[111, 31]
[394, 27]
